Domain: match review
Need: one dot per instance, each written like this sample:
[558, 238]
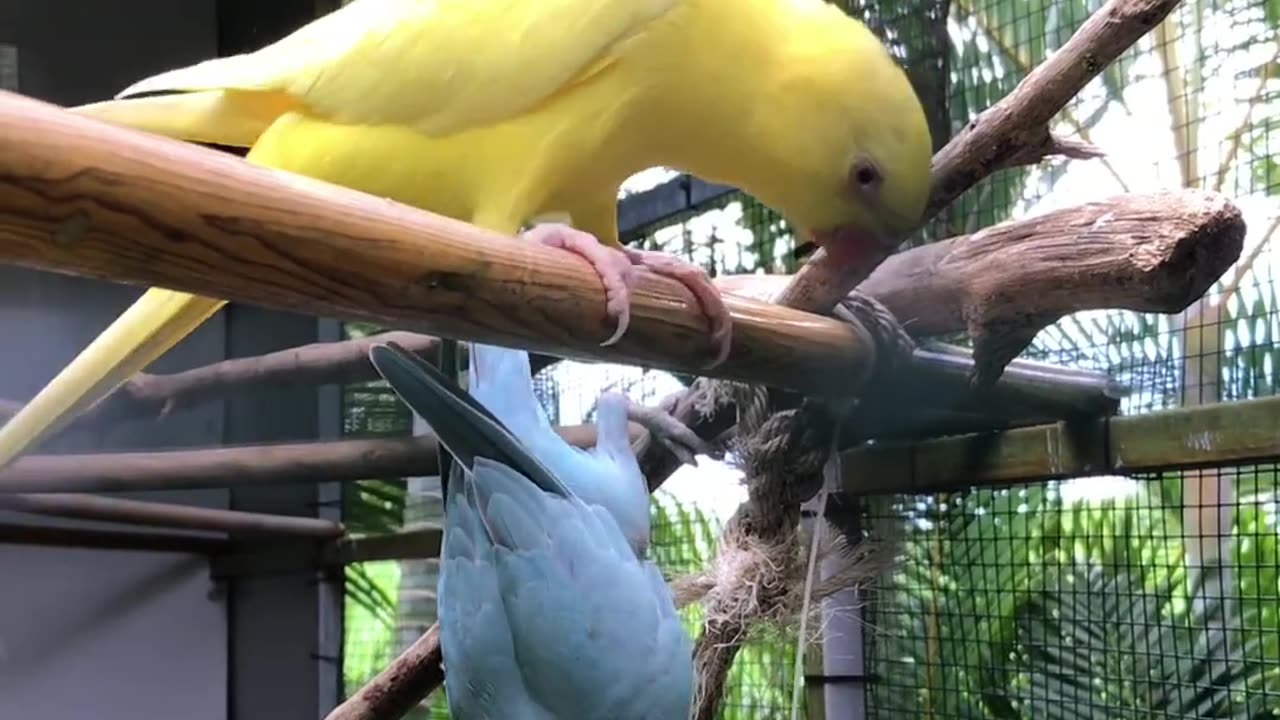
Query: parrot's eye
[865, 175]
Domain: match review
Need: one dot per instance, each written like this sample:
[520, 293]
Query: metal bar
[1201, 436]
[292, 556]
[419, 542]
[241, 466]
[640, 211]
[139, 512]
[330, 590]
[18, 534]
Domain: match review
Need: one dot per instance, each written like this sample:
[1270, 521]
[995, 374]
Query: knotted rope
[755, 583]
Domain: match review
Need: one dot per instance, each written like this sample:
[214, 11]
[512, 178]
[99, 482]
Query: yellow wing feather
[438, 66]
[225, 117]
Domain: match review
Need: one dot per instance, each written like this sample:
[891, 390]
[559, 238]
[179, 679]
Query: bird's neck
[715, 112]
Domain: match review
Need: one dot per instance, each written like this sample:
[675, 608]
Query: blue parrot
[548, 608]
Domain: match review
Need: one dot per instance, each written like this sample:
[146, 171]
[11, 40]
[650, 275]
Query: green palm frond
[1098, 643]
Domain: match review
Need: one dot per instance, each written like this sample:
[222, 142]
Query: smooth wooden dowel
[84, 197]
[169, 515]
[242, 466]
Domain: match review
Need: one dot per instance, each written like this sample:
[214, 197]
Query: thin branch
[169, 515]
[344, 362]
[1022, 118]
[399, 688]
[1022, 65]
[1236, 136]
[1053, 145]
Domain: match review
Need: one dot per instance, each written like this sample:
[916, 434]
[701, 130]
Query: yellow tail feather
[152, 325]
[160, 318]
[225, 117]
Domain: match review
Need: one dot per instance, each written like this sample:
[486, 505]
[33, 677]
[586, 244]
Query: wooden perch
[339, 461]
[169, 515]
[98, 540]
[1223, 434]
[84, 197]
[1155, 252]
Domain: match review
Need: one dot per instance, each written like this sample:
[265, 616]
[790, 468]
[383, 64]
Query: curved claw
[674, 435]
[617, 270]
[614, 268]
[704, 291]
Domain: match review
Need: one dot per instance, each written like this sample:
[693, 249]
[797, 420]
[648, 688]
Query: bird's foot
[704, 291]
[615, 269]
[674, 435]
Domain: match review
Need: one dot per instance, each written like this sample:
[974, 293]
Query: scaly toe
[615, 269]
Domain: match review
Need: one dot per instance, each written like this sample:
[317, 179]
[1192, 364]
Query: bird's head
[852, 144]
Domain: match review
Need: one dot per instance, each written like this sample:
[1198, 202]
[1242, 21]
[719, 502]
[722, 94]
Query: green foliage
[1023, 604]
[369, 620]
[1178, 659]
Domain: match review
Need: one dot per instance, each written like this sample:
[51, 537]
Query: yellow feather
[437, 66]
[152, 325]
[225, 117]
[500, 111]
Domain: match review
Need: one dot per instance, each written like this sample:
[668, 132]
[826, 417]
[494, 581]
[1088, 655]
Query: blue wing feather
[548, 608]
[482, 677]
[576, 596]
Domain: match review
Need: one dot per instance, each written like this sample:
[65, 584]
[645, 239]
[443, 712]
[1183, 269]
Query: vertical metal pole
[331, 584]
[837, 680]
[843, 660]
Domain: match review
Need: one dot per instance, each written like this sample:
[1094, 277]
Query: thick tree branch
[1155, 252]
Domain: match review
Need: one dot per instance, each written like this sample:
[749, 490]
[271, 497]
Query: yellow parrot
[504, 112]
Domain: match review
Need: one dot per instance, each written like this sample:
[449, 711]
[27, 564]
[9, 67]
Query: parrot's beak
[465, 428]
[849, 244]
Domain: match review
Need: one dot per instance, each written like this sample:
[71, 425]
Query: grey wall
[130, 635]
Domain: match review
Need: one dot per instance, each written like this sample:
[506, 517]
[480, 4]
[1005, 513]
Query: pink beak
[848, 244]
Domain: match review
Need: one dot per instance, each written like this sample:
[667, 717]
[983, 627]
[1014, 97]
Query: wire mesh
[1151, 596]
[1085, 598]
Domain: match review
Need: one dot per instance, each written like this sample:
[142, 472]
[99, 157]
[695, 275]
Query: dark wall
[109, 635]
